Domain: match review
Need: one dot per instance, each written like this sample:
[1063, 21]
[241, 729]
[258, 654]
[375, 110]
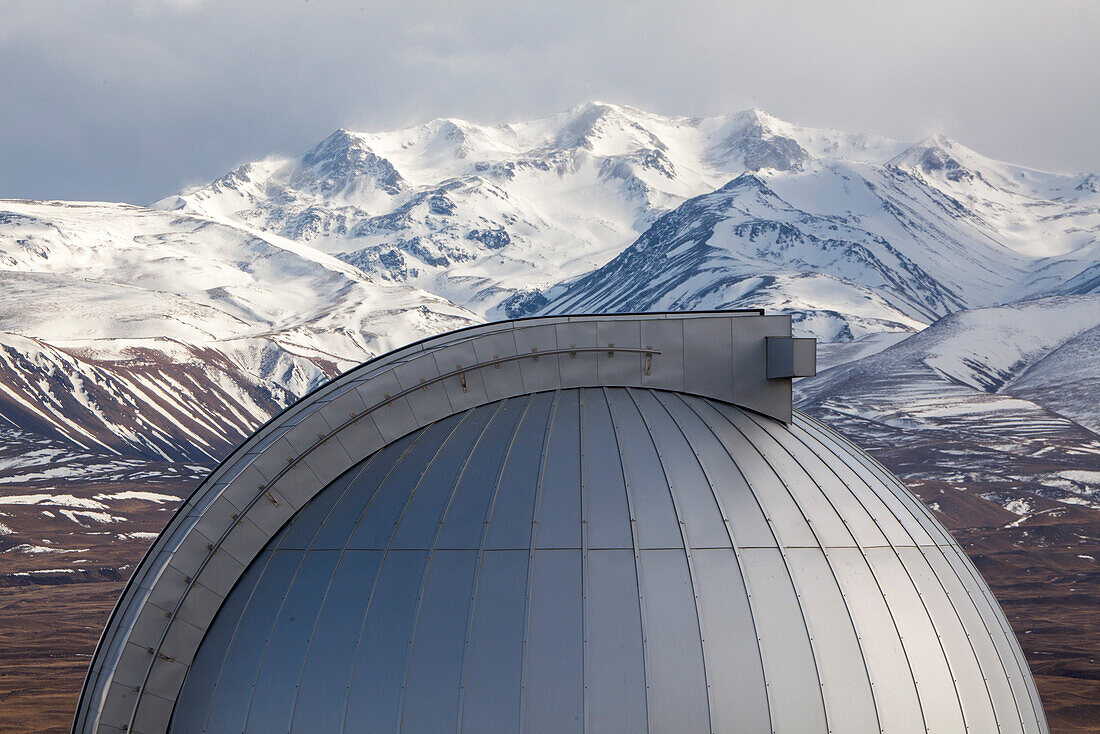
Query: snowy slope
[267, 281]
[129, 329]
[1009, 387]
[926, 243]
[976, 372]
[1066, 380]
[484, 215]
[864, 234]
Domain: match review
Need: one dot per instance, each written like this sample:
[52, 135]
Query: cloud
[133, 100]
[147, 7]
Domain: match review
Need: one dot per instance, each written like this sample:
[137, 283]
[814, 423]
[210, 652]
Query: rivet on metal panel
[422, 380]
[497, 365]
[610, 350]
[535, 351]
[272, 498]
[209, 546]
[462, 379]
[573, 351]
[186, 579]
[648, 362]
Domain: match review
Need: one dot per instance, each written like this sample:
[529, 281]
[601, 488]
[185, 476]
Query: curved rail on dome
[174, 593]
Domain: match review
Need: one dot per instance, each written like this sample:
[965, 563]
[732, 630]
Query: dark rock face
[1089, 183]
[394, 261]
[342, 160]
[440, 205]
[780, 153]
[760, 148]
[934, 160]
[494, 239]
[523, 303]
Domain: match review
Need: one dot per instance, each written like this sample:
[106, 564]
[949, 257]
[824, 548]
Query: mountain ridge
[292, 269]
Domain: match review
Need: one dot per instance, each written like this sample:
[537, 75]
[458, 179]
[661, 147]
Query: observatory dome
[495, 543]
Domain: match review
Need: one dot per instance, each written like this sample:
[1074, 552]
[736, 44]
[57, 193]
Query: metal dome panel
[610, 559]
[578, 523]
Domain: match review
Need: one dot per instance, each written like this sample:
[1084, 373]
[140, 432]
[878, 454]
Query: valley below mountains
[956, 300]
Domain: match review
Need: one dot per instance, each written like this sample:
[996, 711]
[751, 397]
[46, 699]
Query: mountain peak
[760, 117]
[747, 180]
[753, 138]
[939, 155]
[591, 124]
[597, 107]
[344, 161]
[340, 143]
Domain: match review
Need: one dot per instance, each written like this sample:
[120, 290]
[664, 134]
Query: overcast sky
[132, 101]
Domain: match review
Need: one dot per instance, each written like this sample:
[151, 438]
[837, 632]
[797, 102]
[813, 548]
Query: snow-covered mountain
[860, 246]
[124, 329]
[1001, 397]
[859, 233]
[235, 297]
[488, 215]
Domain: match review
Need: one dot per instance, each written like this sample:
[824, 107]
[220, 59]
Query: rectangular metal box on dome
[559, 524]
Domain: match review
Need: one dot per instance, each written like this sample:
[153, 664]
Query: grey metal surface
[568, 561]
[178, 587]
[791, 357]
[457, 493]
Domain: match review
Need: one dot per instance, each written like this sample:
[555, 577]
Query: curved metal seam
[636, 550]
[371, 460]
[267, 639]
[889, 544]
[994, 608]
[326, 437]
[267, 643]
[339, 385]
[385, 554]
[431, 554]
[179, 604]
[221, 668]
[225, 653]
[582, 433]
[878, 585]
[392, 468]
[836, 580]
[343, 554]
[783, 555]
[390, 399]
[682, 526]
[826, 438]
[506, 454]
[729, 531]
[917, 508]
[775, 536]
[551, 416]
[828, 465]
